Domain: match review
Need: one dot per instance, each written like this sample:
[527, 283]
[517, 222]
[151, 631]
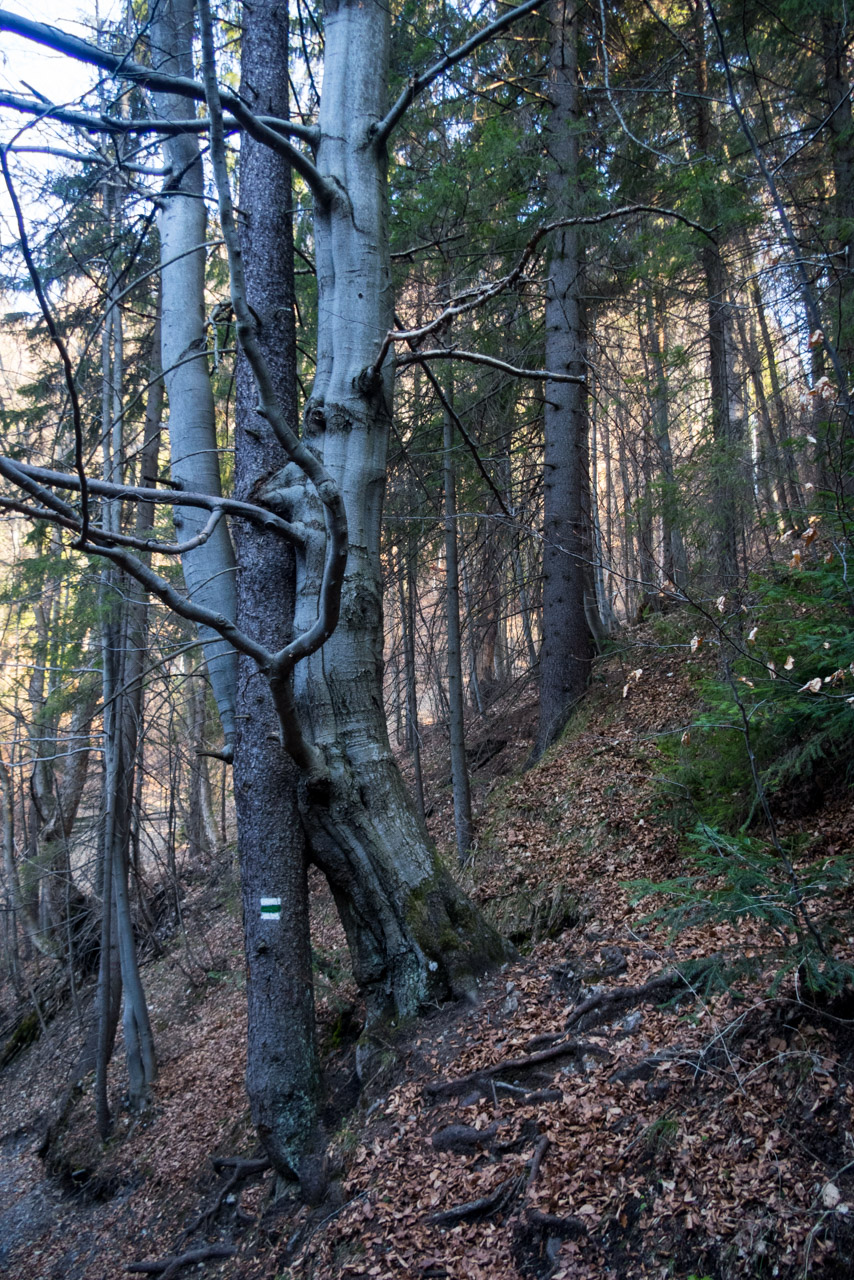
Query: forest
[427, 645]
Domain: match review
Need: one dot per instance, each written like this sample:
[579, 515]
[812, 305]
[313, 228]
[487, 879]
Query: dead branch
[539, 1155]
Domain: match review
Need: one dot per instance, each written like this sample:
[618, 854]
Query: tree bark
[209, 570]
[726, 518]
[283, 1073]
[456, 720]
[566, 652]
[413, 935]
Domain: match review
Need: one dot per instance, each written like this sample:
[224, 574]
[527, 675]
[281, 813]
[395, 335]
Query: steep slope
[607, 1106]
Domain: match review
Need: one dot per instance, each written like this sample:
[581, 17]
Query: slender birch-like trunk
[209, 569]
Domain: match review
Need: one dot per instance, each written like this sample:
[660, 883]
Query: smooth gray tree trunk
[413, 934]
[209, 570]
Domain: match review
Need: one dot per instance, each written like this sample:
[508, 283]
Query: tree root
[549, 1223]
[167, 1268]
[497, 1200]
[664, 984]
[241, 1170]
[564, 1049]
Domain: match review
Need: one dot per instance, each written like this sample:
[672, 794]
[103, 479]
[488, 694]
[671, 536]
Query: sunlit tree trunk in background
[209, 570]
[407, 558]
[674, 560]
[123, 644]
[456, 708]
[836, 36]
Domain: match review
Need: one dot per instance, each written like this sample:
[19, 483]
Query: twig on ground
[539, 1154]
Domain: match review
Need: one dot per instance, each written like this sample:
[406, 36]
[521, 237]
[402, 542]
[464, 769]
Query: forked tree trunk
[413, 934]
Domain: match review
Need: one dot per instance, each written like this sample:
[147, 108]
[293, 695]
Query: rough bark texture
[283, 1077]
[566, 651]
[726, 427]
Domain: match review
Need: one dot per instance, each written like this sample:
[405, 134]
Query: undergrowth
[770, 745]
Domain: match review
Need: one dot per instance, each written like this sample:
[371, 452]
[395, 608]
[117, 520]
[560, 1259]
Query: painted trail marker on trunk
[271, 908]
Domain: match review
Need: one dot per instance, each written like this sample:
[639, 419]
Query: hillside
[607, 1105]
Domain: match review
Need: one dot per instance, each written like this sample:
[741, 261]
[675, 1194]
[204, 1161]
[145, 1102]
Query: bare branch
[110, 537]
[295, 532]
[470, 299]
[59, 512]
[82, 157]
[419, 83]
[469, 443]
[475, 357]
[58, 343]
[125, 68]
[104, 123]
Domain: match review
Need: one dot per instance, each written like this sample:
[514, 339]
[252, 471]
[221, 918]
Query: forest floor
[604, 1108]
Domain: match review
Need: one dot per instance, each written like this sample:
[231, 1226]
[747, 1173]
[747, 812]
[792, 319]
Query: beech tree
[281, 555]
[413, 934]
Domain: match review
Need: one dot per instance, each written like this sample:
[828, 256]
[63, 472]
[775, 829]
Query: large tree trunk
[412, 933]
[727, 516]
[283, 1075]
[566, 651]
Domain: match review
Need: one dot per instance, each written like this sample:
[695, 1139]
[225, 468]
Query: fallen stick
[539, 1153]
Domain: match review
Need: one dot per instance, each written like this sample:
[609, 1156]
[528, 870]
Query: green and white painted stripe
[271, 908]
